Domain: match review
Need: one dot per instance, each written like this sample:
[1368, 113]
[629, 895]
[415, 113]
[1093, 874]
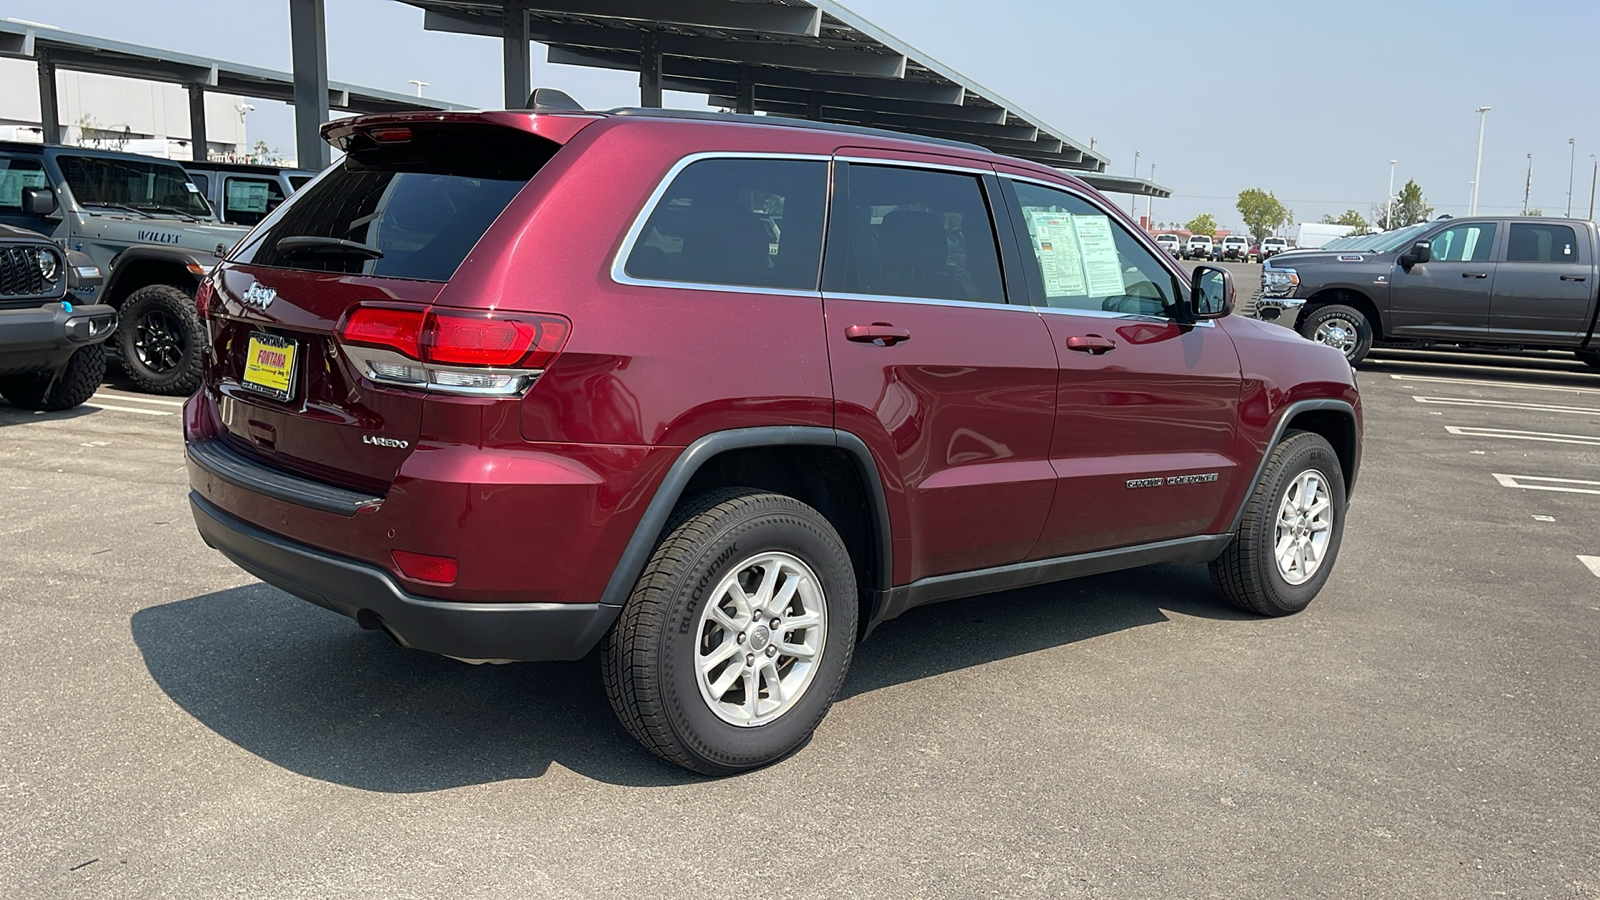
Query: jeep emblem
[258, 296]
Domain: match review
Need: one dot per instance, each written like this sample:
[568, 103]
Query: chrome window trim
[1110, 314]
[927, 301]
[619, 262]
[1155, 250]
[971, 169]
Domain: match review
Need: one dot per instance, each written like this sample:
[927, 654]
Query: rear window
[412, 209]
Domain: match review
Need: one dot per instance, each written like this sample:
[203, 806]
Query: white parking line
[134, 398]
[128, 409]
[1509, 404]
[1502, 384]
[1514, 435]
[1564, 485]
[1593, 562]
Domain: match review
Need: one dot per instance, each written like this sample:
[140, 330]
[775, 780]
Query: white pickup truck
[1236, 247]
[1198, 247]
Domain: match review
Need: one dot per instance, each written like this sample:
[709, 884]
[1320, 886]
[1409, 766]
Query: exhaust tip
[371, 621]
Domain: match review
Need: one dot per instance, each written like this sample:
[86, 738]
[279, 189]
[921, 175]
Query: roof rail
[551, 100]
[786, 122]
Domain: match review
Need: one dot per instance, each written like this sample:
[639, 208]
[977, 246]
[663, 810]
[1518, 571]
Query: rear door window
[411, 209]
[738, 223]
[246, 201]
[1542, 242]
[917, 233]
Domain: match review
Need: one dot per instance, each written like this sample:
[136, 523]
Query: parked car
[1272, 246]
[1502, 283]
[243, 194]
[1197, 247]
[1170, 243]
[1216, 251]
[147, 217]
[721, 465]
[50, 356]
[1235, 248]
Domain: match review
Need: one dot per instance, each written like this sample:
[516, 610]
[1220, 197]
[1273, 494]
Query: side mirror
[1210, 292]
[1420, 252]
[38, 201]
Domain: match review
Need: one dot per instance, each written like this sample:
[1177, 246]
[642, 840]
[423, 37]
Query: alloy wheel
[1304, 527]
[761, 637]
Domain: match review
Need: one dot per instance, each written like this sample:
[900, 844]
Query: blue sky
[1309, 101]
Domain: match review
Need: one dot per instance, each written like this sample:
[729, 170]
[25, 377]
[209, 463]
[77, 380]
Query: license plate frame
[273, 374]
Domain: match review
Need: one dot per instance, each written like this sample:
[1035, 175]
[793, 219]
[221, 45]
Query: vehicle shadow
[306, 690]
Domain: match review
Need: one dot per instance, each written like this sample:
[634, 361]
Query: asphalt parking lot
[173, 728]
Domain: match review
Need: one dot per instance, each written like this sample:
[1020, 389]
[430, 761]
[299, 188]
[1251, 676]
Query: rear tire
[1290, 534]
[160, 340]
[1341, 327]
[64, 388]
[693, 673]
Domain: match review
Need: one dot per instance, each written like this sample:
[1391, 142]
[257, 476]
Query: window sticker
[1101, 265]
[1055, 239]
[247, 196]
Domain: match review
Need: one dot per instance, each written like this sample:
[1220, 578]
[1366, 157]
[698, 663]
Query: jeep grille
[20, 275]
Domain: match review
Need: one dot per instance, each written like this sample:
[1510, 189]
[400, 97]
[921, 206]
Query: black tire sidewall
[733, 747]
[180, 306]
[1309, 454]
[1308, 327]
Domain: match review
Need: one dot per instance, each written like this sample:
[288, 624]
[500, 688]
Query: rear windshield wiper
[332, 246]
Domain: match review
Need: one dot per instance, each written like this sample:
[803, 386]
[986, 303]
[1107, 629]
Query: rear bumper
[42, 337]
[476, 631]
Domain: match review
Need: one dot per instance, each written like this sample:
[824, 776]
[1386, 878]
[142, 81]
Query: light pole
[1571, 161]
[1527, 187]
[420, 85]
[1150, 201]
[1133, 202]
[1592, 176]
[1388, 221]
[1477, 172]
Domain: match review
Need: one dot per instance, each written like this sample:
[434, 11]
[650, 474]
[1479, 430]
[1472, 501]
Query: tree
[1409, 207]
[1202, 224]
[1349, 217]
[1262, 212]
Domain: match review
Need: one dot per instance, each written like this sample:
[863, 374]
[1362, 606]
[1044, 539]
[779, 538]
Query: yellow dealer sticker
[269, 366]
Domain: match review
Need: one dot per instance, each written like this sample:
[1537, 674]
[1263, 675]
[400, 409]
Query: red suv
[719, 394]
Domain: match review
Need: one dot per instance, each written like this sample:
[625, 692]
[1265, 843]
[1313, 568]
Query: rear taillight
[452, 350]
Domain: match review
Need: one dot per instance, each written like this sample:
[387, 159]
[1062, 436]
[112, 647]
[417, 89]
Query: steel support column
[518, 59]
[745, 96]
[49, 109]
[814, 106]
[649, 72]
[308, 39]
[197, 122]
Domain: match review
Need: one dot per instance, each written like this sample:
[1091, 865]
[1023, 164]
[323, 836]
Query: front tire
[1344, 328]
[1290, 534]
[738, 635]
[160, 340]
[64, 388]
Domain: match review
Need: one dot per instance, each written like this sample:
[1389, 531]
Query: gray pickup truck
[144, 223]
[1502, 284]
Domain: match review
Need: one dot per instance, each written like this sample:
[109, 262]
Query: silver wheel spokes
[760, 639]
[1304, 527]
[1338, 334]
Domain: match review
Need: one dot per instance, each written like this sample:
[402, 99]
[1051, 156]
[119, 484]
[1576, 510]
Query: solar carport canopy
[814, 60]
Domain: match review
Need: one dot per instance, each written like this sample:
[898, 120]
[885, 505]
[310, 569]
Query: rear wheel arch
[828, 470]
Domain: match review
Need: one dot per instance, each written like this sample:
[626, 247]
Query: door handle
[881, 333]
[1474, 274]
[1091, 343]
[1572, 278]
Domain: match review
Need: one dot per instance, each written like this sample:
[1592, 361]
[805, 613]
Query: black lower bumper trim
[521, 631]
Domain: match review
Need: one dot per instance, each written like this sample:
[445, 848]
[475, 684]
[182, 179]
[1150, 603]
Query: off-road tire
[64, 388]
[1246, 574]
[177, 307]
[648, 661]
[1307, 326]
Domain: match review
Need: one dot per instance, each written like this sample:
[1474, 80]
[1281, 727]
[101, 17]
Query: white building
[119, 113]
